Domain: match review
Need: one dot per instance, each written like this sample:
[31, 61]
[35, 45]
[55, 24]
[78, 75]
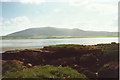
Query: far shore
[61, 37]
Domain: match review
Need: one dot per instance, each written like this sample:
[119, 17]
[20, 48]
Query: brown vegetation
[85, 59]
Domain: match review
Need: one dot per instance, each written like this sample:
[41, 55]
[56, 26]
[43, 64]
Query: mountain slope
[51, 31]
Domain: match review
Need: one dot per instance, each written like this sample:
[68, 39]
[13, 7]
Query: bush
[109, 70]
[110, 53]
[87, 72]
[87, 59]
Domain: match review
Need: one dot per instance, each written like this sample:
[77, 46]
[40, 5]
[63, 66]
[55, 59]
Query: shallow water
[39, 43]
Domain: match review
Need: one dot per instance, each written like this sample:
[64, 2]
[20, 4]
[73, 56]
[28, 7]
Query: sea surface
[6, 45]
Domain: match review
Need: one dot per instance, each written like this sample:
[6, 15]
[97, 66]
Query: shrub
[87, 59]
[110, 53]
[109, 70]
[87, 72]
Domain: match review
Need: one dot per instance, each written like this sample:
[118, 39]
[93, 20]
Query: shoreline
[64, 37]
[4, 49]
[17, 48]
[38, 47]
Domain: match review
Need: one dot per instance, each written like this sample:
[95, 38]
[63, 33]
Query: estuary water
[6, 45]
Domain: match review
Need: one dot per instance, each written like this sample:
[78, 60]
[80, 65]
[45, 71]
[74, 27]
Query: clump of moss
[46, 71]
[11, 66]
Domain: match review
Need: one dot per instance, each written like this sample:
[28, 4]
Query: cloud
[0, 23]
[15, 24]
[7, 22]
[87, 2]
[1, 19]
[104, 9]
[56, 10]
[32, 1]
[78, 2]
[24, 1]
[114, 23]
[20, 20]
[8, 0]
[5, 0]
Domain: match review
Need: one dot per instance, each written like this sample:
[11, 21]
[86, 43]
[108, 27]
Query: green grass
[66, 46]
[46, 71]
[75, 46]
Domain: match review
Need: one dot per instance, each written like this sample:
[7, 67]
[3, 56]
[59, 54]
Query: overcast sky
[95, 15]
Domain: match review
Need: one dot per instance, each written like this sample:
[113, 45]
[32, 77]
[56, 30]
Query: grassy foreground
[46, 71]
[63, 62]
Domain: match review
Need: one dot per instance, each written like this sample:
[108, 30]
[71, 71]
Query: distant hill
[51, 32]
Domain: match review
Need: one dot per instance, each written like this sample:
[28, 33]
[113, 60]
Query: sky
[89, 15]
